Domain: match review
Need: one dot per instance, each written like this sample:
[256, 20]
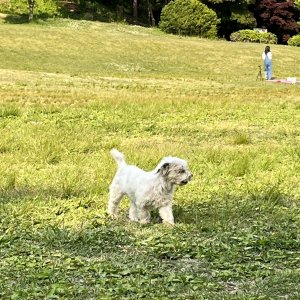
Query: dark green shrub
[294, 41]
[189, 17]
[253, 36]
[19, 7]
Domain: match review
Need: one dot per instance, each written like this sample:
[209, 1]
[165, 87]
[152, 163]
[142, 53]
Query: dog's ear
[164, 170]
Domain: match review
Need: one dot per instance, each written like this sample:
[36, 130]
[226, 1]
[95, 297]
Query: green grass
[72, 90]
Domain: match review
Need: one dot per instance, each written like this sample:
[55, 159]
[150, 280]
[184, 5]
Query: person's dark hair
[267, 49]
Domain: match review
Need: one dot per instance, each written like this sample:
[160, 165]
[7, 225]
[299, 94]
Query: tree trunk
[120, 12]
[150, 13]
[135, 10]
[31, 7]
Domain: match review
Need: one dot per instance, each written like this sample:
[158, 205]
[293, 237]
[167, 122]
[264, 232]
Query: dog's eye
[181, 171]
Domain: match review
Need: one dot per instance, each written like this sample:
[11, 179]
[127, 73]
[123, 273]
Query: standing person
[267, 58]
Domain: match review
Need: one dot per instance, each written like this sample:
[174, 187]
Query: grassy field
[72, 90]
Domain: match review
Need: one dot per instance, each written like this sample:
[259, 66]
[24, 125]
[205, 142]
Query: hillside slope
[114, 49]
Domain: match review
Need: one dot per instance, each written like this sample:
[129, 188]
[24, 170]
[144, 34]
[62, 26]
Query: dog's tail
[118, 157]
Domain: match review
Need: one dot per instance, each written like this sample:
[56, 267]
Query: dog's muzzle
[185, 181]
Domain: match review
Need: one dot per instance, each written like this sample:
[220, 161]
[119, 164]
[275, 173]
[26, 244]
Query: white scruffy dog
[147, 190]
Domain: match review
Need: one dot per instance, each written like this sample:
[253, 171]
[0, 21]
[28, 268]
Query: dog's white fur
[147, 190]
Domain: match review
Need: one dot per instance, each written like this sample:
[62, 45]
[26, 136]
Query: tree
[148, 10]
[135, 10]
[234, 15]
[31, 7]
[154, 8]
[278, 16]
[189, 17]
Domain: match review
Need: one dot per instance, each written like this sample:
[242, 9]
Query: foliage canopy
[294, 41]
[41, 7]
[279, 17]
[253, 36]
[189, 18]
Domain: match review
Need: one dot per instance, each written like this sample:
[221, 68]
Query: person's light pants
[268, 70]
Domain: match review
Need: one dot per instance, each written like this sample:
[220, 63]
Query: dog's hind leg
[166, 214]
[115, 196]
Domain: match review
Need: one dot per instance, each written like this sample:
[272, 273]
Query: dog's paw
[167, 223]
[134, 220]
[143, 222]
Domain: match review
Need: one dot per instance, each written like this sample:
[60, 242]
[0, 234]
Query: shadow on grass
[265, 213]
[226, 239]
[16, 19]
[222, 210]
[87, 242]
[105, 17]
[24, 19]
[28, 222]
[65, 192]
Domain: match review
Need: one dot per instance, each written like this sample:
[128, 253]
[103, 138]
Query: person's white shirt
[269, 54]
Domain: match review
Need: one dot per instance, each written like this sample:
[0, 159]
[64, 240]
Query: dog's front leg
[144, 215]
[133, 213]
[166, 214]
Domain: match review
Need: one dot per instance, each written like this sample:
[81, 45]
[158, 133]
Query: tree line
[277, 16]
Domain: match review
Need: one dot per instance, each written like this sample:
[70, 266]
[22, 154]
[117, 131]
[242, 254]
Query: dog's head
[174, 170]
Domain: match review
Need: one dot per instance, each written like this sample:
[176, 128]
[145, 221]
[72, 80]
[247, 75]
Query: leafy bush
[294, 41]
[189, 17]
[42, 7]
[253, 36]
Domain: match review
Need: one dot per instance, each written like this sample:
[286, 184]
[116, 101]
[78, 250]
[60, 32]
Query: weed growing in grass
[241, 166]
[3, 147]
[7, 111]
[241, 138]
[10, 182]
